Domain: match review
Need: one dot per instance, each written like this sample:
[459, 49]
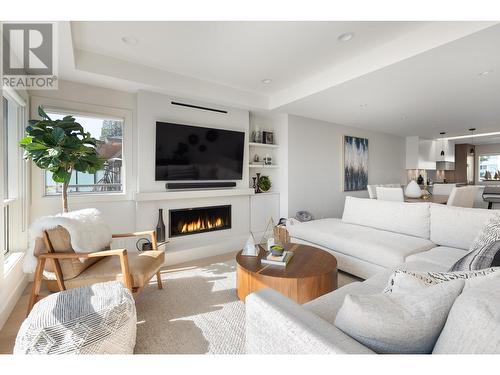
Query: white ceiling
[416, 78]
[237, 54]
[438, 90]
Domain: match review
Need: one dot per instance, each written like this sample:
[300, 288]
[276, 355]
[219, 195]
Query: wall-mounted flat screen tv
[193, 153]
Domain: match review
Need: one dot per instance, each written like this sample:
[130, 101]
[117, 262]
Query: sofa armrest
[278, 325]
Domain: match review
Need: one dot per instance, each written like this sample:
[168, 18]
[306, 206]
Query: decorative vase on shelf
[413, 190]
[160, 227]
[257, 190]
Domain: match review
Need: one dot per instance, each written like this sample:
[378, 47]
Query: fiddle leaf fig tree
[61, 147]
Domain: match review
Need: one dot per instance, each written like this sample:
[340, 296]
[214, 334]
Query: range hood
[445, 166]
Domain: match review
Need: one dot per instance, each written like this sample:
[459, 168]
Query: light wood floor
[9, 331]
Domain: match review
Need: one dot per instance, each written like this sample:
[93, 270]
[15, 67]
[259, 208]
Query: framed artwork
[355, 163]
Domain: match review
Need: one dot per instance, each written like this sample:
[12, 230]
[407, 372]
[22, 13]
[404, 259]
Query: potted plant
[61, 147]
[264, 183]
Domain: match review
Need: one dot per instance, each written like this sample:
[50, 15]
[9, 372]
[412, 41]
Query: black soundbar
[199, 185]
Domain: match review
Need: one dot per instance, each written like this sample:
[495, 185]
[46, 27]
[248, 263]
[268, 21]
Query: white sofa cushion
[379, 247]
[399, 323]
[404, 281]
[399, 217]
[329, 304]
[443, 256]
[473, 324]
[457, 226]
[484, 248]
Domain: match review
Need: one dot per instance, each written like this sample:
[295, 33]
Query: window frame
[88, 110]
[58, 111]
[15, 206]
[479, 179]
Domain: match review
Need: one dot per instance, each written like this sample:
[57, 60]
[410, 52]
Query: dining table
[440, 199]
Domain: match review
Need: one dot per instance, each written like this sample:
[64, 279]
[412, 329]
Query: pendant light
[472, 149]
[442, 143]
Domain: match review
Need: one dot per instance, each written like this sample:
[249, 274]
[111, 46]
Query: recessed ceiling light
[404, 117]
[363, 106]
[345, 37]
[130, 40]
[485, 73]
[267, 81]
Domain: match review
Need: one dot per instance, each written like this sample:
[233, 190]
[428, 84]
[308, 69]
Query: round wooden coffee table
[311, 273]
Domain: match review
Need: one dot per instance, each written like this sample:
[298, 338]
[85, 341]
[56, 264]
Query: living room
[253, 186]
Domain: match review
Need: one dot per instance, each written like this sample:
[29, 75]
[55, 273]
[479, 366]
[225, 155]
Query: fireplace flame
[202, 224]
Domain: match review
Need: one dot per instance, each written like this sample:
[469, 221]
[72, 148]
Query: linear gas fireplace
[187, 221]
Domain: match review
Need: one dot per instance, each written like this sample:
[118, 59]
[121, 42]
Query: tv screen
[192, 153]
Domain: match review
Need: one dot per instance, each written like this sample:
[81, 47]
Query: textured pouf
[96, 319]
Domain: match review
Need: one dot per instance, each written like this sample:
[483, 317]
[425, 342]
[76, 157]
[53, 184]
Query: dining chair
[443, 189]
[390, 194]
[462, 196]
[372, 189]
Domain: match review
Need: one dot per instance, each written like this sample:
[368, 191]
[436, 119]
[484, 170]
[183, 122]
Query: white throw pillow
[399, 323]
[473, 324]
[403, 281]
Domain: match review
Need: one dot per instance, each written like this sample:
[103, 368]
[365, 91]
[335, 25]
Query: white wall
[315, 177]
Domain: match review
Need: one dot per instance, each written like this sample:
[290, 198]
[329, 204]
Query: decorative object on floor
[250, 248]
[268, 160]
[264, 184]
[420, 180]
[399, 323]
[143, 244]
[412, 190]
[75, 149]
[311, 273]
[160, 227]
[483, 249]
[257, 187]
[304, 216]
[71, 266]
[355, 163]
[405, 281]
[268, 137]
[95, 319]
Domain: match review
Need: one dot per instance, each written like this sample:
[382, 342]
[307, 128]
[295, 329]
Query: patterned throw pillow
[402, 280]
[483, 250]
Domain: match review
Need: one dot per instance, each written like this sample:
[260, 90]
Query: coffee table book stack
[280, 260]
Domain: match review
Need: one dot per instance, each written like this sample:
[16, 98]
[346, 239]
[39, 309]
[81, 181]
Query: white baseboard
[11, 290]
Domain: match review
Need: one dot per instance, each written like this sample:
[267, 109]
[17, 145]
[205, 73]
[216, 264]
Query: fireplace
[188, 221]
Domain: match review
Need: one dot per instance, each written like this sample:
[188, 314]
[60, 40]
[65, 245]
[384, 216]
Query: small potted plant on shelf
[264, 183]
[61, 147]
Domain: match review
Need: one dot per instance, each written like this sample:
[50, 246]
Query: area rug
[196, 312]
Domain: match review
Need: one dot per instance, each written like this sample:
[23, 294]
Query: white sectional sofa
[374, 235]
[371, 240]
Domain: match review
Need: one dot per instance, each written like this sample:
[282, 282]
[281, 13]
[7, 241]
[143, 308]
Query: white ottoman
[95, 319]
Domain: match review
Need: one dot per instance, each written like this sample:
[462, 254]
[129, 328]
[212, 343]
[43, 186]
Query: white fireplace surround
[200, 245]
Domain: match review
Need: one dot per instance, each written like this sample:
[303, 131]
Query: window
[5, 158]
[109, 132]
[489, 167]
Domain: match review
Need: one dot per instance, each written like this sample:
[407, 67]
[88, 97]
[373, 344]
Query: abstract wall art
[355, 163]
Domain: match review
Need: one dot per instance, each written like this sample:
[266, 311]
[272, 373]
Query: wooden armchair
[133, 269]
